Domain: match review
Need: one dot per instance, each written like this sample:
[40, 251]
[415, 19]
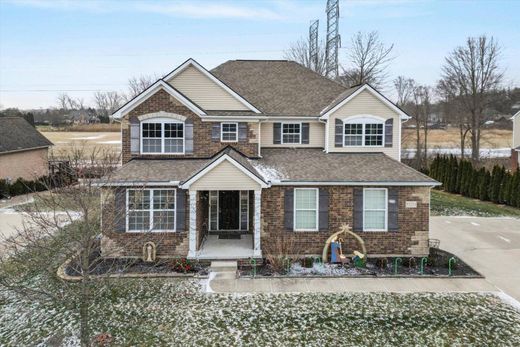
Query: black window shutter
[389, 125]
[393, 209]
[188, 136]
[180, 218]
[289, 209]
[324, 209]
[119, 221]
[215, 132]
[242, 131]
[277, 133]
[338, 134]
[358, 209]
[305, 133]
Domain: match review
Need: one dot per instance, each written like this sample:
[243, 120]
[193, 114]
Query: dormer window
[229, 132]
[364, 132]
[291, 133]
[162, 136]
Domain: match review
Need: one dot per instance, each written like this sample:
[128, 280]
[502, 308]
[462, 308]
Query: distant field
[115, 127]
[491, 138]
[65, 141]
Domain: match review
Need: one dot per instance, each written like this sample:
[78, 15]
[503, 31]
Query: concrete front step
[224, 266]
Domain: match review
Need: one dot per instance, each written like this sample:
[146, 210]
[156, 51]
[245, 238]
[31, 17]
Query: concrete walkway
[338, 285]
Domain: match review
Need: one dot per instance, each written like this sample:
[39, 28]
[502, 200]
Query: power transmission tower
[333, 39]
[313, 45]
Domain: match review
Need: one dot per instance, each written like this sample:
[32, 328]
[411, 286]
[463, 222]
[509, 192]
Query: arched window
[363, 131]
[162, 136]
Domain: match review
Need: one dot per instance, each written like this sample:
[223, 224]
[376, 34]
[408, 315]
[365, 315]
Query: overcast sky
[53, 46]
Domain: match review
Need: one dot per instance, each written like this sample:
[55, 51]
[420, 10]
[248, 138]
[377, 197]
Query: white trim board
[374, 92]
[354, 183]
[160, 84]
[192, 62]
[190, 181]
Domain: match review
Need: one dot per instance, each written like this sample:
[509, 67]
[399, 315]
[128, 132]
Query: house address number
[411, 204]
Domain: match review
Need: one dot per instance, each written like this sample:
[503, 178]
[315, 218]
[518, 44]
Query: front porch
[213, 247]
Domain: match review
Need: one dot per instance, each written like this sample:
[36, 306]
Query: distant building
[23, 150]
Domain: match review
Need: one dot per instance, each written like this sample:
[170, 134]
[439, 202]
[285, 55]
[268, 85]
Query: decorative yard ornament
[149, 252]
[344, 229]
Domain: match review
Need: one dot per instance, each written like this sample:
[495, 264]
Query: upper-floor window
[364, 131]
[229, 132]
[291, 133]
[162, 137]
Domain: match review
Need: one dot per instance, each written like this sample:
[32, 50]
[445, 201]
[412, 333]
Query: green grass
[177, 313]
[447, 204]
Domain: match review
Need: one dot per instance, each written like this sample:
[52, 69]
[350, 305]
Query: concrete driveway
[490, 245]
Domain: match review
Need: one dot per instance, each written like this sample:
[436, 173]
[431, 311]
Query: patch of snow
[206, 283]
[87, 137]
[475, 224]
[484, 152]
[504, 239]
[322, 269]
[508, 299]
[114, 142]
[270, 174]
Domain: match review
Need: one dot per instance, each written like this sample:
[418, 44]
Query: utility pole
[333, 40]
[313, 45]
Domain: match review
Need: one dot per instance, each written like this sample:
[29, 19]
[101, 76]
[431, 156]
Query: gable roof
[210, 76]
[16, 134]
[515, 115]
[159, 84]
[279, 87]
[351, 93]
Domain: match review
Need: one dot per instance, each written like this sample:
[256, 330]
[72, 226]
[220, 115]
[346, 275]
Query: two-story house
[228, 163]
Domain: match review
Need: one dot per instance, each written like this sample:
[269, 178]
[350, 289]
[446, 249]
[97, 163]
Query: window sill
[150, 231]
[305, 230]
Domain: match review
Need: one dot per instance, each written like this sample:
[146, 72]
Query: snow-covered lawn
[178, 313]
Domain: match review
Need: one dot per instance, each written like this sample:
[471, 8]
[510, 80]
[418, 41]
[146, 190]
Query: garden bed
[437, 265]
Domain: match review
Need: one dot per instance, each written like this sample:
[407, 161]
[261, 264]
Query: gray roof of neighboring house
[279, 87]
[284, 164]
[16, 134]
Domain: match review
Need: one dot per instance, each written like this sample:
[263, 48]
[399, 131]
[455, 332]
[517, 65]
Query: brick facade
[203, 146]
[410, 239]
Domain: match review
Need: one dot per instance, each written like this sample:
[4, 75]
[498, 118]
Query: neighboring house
[515, 158]
[23, 150]
[267, 152]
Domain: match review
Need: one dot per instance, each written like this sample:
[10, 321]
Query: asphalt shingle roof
[279, 87]
[16, 134]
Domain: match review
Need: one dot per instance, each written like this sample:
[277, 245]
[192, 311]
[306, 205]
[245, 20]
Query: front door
[229, 210]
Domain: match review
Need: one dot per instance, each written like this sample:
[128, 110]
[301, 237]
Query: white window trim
[162, 121]
[222, 132]
[386, 209]
[151, 211]
[291, 143]
[364, 121]
[317, 209]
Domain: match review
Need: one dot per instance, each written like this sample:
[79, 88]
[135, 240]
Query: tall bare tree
[299, 52]
[137, 85]
[404, 88]
[108, 102]
[473, 71]
[367, 60]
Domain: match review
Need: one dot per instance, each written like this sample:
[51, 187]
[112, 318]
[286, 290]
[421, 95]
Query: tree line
[460, 176]
[469, 87]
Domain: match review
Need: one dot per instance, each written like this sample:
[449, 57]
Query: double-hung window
[363, 132]
[229, 132]
[151, 209]
[306, 209]
[162, 137]
[375, 209]
[291, 133]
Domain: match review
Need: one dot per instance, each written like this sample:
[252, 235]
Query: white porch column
[257, 250]
[192, 237]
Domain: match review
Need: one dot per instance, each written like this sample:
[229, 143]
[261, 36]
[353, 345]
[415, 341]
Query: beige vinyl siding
[204, 92]
[516, 131]
[316, 135]
[225, 176]
[365, 103]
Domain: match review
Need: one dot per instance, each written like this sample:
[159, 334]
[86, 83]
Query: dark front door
[229, 210]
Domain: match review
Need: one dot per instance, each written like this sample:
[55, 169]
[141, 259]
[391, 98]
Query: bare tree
[108, 102]
[299, 52]
[137, 85]
[367, 60]
[404, 88]
[67, 103]
[473, 71]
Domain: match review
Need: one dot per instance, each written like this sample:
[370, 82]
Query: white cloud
[193, 9]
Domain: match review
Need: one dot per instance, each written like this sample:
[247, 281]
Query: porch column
[257, 250]
[192, 237]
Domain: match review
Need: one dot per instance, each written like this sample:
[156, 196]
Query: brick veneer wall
[202, 144]
[130, 244]
[408, 240]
